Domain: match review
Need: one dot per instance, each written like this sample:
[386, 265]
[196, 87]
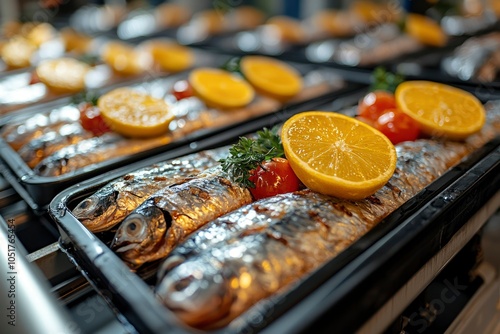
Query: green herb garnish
[89, 59]
[249, 153]
[233, 65]
[385, 80]
[85, 96]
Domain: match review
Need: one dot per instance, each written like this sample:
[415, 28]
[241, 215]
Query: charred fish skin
[183, 208]
[72, 157]
[49, 143]
[261, 248]
[108, 206]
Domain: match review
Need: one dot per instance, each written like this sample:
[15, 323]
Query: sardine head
[196, 292]
[97, 210]
[52, 167]
[141, 233]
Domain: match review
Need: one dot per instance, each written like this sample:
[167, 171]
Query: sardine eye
[183, 283]
[133, 227]
[85, 204]
[169, 264]
[40, 169]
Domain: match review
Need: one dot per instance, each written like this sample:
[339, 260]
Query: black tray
[325, 300]
[38, 190]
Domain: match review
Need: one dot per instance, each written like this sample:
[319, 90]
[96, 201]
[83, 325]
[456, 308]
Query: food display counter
[182, 168]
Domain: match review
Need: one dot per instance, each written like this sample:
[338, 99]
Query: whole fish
[49, 143]
[86, 152]
[467, 61]
[109, 205]
[233, 262]
[20, 133]
[152, 230]
[490, 69]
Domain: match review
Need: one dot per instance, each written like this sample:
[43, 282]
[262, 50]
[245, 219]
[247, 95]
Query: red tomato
[182, 89]
[397, 126]
[91, 119]
[274, 177]
[34, 78]
[375, 104]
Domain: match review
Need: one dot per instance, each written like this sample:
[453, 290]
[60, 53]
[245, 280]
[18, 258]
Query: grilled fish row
[235, 261]
[17, 135]
[159, 224]
[477, 58]
[112, 203]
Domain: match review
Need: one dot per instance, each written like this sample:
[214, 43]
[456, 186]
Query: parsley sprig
[385, 80]
[233, 65]
[249, 153]
[85, 96]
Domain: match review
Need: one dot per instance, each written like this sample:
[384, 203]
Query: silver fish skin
[22, 132]
[73, 157]
[235, 261]
[152, 230]
[109, 205]
[49, 143]
[467, 59]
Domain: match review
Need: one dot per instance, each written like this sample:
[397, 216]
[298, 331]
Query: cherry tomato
[182, 89]
[272, 178]
[397, 126]
[375, 104]
[91, 119]
[34, 78]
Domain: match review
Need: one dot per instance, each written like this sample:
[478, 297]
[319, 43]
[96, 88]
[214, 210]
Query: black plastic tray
[338, 296]
[38, 190]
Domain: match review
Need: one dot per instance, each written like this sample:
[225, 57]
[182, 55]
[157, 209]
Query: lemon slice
[63, 74]
[172, 14]
[335, 23]
[171, 57]
[41, 33]
[271, 76]
[220, 88]
[338, 155]
[125, 59]
[369, 12]
[425, 30]
[441, 110]
[17, 52]
[75, 42]
[134, 114]
[286, 28]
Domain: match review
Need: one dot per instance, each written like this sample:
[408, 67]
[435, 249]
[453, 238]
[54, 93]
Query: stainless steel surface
[70, 293]
[26, 301]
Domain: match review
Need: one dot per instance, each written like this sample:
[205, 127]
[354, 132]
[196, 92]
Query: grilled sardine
[110, 204]
[19, 134]
[49, 143]
[86, 152]
[152, 230]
